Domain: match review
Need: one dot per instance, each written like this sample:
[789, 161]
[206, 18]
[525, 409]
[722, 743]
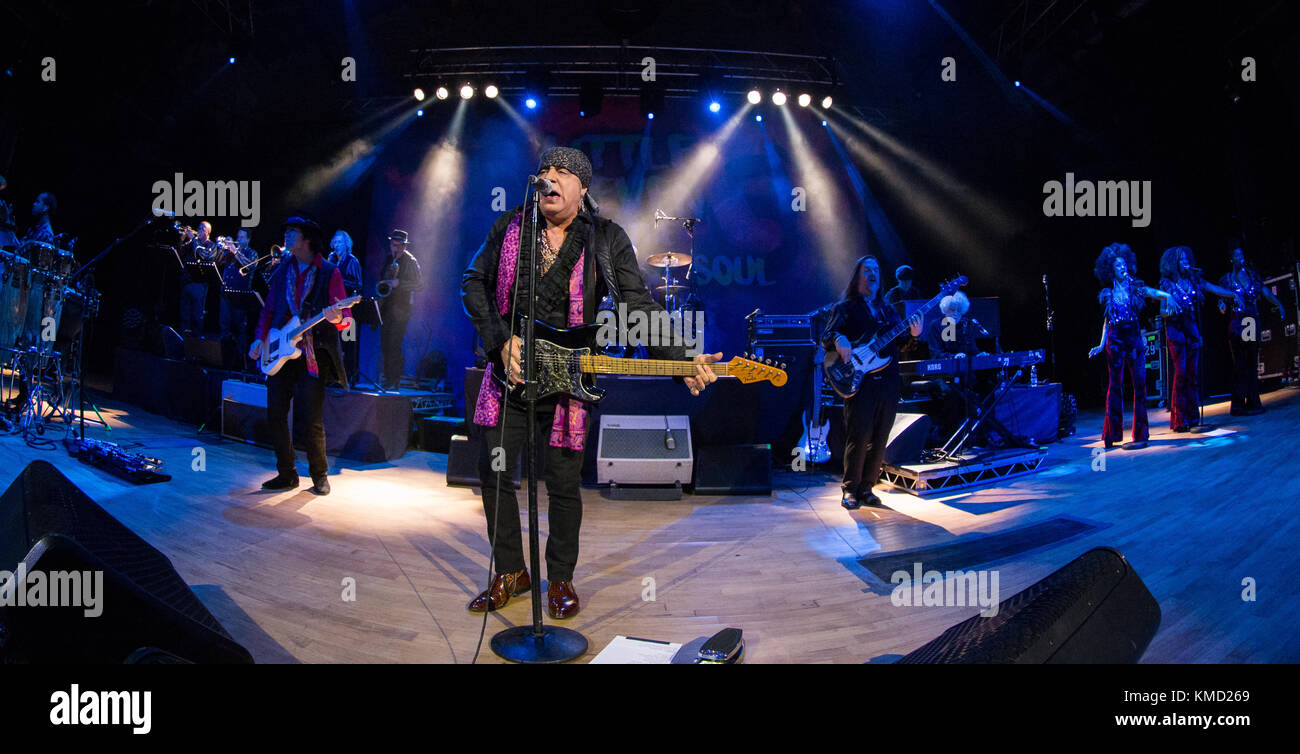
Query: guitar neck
[655, 367]
[880, 341]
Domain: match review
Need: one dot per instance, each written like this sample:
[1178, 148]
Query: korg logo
[76, 707]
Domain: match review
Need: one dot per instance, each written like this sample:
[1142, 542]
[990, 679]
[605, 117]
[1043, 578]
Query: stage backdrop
[781, 224]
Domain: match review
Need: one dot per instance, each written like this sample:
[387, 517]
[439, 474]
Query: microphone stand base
[521, 644]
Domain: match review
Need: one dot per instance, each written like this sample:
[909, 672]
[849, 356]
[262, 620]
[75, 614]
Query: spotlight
[441, 93]
[778, 98]
[530, 103]
[466, 91]
[419, 113]
[232, 60]
[754, 96]
[491, 91]
[826, 102]
[758, 119]
[419, 95]
[714, 107]
[805, 100]
[650, 116]
[823, 123]
[1017, 82]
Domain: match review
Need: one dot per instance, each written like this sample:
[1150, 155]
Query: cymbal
[668, 259]
[672, 290]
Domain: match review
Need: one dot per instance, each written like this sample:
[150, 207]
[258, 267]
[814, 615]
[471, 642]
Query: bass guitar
[567, 363]
[865, 358]
[282, 345]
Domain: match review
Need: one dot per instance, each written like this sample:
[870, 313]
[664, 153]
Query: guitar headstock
[951, 286]
[348, 302]
[751, 370]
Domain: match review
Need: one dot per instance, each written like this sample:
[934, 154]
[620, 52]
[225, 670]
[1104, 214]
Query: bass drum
[14, 294]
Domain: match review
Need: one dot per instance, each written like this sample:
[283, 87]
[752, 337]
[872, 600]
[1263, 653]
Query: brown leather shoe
[561, 600]
[504, 586]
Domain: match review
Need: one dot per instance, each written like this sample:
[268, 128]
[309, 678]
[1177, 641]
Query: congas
[65, 263]
[43, 256]
[14, 289]
[44, 310]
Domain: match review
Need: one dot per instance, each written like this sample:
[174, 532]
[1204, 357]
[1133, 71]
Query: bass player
[868, 413]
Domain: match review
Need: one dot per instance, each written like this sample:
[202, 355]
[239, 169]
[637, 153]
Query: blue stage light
[714, 107]
[758, 118]
[232, 59]
[650, 116]
[530, 103]
[1017, 83]
[823, 123]
[419, 113]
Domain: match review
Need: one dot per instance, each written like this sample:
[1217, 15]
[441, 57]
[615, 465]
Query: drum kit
[36, 283]
[675, 289]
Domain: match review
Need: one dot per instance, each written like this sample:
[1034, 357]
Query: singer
[582, 257]
[1180, 278]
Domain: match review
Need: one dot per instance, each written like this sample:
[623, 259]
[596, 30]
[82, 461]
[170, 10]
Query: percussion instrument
[668, 259]
[43, 256]
[15, 282]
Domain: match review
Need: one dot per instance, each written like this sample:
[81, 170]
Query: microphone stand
[537, 643]
[1200, 366]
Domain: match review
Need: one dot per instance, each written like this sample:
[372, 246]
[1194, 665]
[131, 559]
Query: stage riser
[953, 477]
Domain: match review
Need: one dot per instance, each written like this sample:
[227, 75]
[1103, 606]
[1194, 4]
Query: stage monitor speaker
[243, 413]
[907, 439]
[733, 470]
[644, 450]
[50, 527]
[1094, 610]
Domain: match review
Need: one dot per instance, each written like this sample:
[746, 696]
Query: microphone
[983, 332]
[542, 185]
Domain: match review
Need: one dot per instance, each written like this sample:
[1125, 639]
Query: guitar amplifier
[767, 329]
[644, 450]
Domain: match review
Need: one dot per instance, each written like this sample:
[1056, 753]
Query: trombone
[275, 250]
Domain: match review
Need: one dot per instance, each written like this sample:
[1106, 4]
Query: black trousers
[868, 418]
[562, 472]
[293, 383]
[391, 335]
[1245, 373]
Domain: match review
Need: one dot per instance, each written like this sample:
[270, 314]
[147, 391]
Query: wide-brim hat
[310, 229]
[399, 235]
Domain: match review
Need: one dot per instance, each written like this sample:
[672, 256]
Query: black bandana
[572, 160]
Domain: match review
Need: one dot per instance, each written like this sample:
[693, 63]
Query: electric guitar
[566, 364]
[865, 358]
[282, 345]
[813, 443]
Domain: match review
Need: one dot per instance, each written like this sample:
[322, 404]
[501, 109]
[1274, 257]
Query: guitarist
[869, 413]
[582, 257]
[303, 285]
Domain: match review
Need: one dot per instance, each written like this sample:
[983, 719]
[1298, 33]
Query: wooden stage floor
[1194, 514]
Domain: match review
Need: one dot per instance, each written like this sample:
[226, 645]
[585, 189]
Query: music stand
[365, 312]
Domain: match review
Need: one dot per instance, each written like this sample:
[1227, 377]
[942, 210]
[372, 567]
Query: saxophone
[385, 286]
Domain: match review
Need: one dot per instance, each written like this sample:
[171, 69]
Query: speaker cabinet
[733, 470]
[1094, 610]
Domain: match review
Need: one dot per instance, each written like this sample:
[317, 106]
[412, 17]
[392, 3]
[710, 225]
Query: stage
[272, 567]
